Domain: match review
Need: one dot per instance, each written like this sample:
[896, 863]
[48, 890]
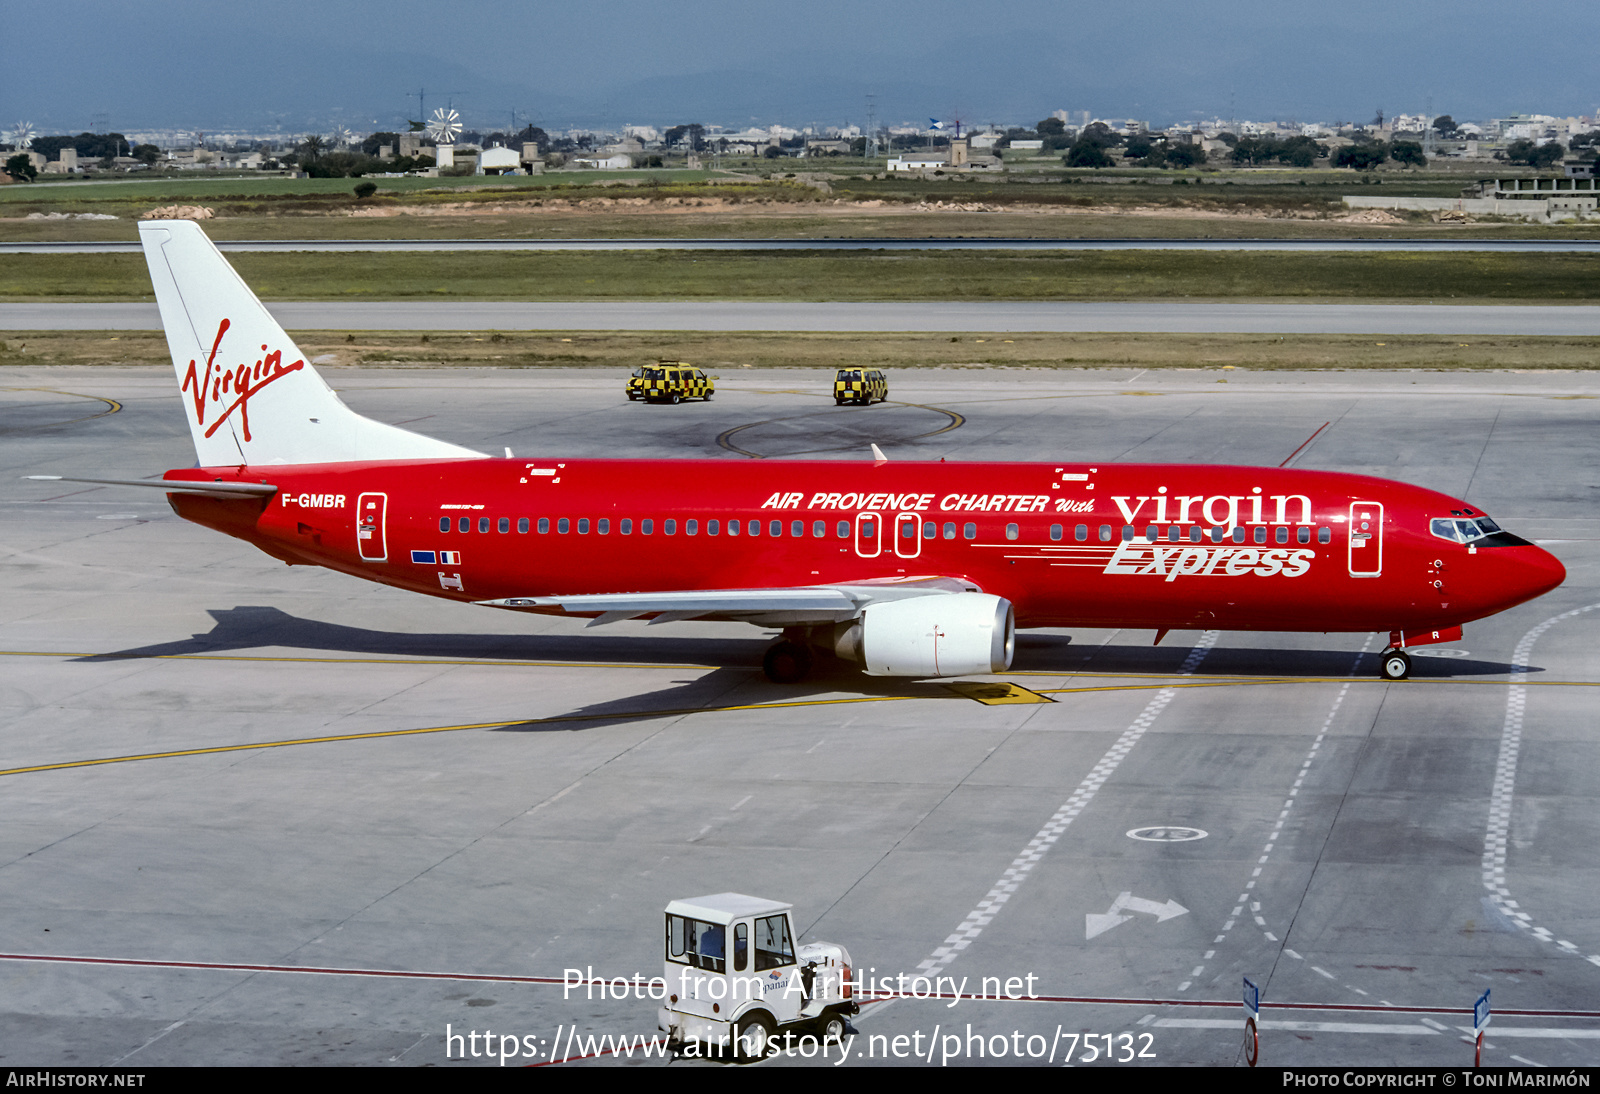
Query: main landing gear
[787, 662]
[1396, 665]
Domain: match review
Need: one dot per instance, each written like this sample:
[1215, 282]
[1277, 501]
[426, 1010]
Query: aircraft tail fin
[249, 393]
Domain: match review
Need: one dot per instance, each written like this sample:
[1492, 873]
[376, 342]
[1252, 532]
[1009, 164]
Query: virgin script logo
[218, 386]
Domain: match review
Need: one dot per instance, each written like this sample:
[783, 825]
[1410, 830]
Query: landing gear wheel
[830, 1028]
[1396, 665]
[752, 1038]
[787, 663]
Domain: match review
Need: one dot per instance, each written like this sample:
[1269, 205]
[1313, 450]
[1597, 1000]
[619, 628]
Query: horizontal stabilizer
[216, 489]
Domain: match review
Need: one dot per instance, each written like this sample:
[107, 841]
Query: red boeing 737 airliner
[907, 569]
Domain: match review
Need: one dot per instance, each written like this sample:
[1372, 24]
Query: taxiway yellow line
[678, 712]
[352, 660]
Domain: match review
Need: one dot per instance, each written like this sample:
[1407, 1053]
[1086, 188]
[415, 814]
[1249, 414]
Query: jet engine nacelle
[949, 635]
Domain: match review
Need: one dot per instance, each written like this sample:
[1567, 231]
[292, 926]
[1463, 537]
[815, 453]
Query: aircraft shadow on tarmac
[735, 678]
[1043, 654]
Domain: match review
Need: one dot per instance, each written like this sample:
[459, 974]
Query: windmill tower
[444, 127]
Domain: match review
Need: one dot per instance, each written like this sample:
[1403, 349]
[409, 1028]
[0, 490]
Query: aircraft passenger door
[908, 535]
[869, 535]
[1366, 539]
[371, 540]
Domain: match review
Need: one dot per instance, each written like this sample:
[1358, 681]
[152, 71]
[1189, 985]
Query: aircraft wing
[780, 607]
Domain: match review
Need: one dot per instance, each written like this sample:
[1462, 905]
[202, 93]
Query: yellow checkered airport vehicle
[862, 386]
[671, 382]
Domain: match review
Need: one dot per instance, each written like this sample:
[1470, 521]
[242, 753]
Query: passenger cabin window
[950, 530]
[691, 527]
[842, 529]
[1012, 531]
[444, 524]
[1302, 535]
[713, 527]
[1055, 533]
[505, 525]
[1105, 533]
[603, 526]
[774, 527]
[1324, 535]
[464, 524]
[563, 526]
[1080, 533]
[627, 526]
[646, 526]
[669, 527]
[969, 531]
[522, 525]
[544, 525]
[483, 524]
[583, 526]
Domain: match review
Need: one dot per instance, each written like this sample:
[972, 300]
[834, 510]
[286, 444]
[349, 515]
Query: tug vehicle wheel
[753, 1035]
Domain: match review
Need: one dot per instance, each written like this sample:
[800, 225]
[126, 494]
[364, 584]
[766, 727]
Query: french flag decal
[449, 558]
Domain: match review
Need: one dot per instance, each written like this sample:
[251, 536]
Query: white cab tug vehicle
[737, 983]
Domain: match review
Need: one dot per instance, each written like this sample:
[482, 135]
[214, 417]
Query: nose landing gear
[1396, 665]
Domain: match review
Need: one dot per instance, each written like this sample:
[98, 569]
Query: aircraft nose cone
[1540, 571]
[1546, 570]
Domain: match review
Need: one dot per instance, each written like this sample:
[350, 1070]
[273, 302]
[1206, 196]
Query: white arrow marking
[1099, 924]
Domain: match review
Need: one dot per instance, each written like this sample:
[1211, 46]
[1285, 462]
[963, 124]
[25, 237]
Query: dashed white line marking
[1496, 837]
[1046, 837]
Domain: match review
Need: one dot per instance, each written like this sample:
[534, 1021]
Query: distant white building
[604, 163]
[498, 161]
[917, 161]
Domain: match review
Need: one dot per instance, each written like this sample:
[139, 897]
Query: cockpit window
[1459, 530]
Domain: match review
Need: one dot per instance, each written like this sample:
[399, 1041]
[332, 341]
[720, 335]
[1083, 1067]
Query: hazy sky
[303, 64]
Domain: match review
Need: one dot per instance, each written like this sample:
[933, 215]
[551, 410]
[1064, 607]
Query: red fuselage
[1147, 546]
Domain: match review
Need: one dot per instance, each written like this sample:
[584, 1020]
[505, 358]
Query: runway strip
[998, 317]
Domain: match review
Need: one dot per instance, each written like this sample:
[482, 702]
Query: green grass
[167, 189]
[729, 354]
[927, 275]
